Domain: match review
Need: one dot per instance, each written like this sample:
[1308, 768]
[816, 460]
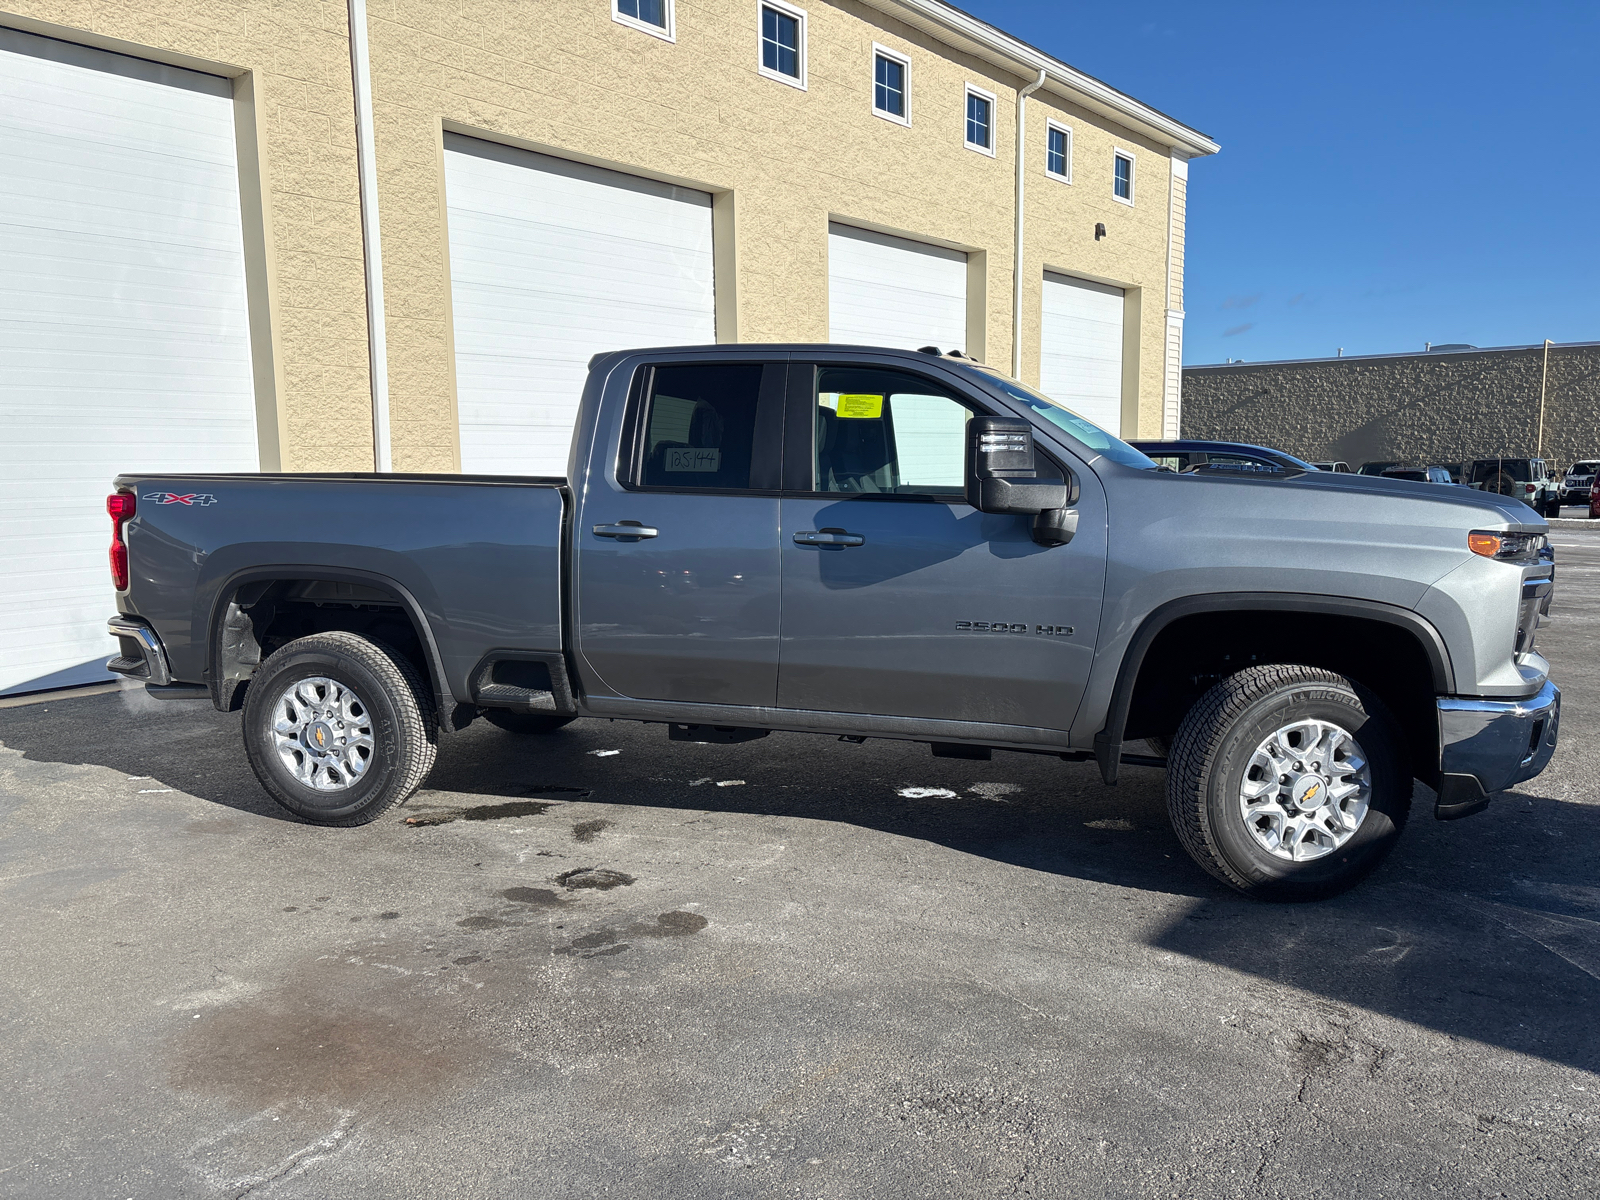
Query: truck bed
[478, 556]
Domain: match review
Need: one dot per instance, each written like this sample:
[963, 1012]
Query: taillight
[120, 507]
[1528, 487]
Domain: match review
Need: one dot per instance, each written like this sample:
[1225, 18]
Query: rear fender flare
[292, 573]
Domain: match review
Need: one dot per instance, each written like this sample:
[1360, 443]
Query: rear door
[676, 548]
[899, 599]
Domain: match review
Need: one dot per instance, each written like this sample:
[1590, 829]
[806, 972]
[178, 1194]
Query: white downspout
[1016, 269]
[372, 251]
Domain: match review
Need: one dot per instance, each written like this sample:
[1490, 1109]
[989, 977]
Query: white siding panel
[552, 262]
[1081, 349]
[887, 291]
[124, 337]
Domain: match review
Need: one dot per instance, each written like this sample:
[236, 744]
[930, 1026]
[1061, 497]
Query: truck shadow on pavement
[1487, 929]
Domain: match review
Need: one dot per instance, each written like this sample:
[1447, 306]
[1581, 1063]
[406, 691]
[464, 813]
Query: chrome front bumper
[1487, 746]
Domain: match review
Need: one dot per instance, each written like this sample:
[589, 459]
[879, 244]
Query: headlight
[1506, 547]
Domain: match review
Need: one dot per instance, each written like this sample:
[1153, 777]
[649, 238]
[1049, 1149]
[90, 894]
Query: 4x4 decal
[199, 498]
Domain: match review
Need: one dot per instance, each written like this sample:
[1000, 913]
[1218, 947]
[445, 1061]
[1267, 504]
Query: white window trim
[884, 52]
[798, 14]
[1133, 186]
[994, 114]
[1052, 123]
[669, 34]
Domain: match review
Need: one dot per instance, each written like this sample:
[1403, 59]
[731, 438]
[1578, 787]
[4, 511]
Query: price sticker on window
[861, 408]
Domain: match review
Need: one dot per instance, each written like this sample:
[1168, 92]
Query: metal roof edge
[937, 17]
[1293, 362]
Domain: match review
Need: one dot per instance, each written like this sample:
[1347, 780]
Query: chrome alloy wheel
[1306, 790]
[323, 733]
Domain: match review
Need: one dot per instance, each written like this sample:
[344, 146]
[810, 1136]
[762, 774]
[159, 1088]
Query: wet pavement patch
[483, 812]
[528, 895]
[484, 922]
[604, 942]
[599, 878]
[558, 791]
[587, 831]
[329, 1035]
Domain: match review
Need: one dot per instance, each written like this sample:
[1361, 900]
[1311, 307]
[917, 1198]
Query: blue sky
[1391, 174]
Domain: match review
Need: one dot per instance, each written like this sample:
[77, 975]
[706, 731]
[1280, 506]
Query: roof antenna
[933, 350]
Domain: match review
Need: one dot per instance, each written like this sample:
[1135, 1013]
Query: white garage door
[887, 291]
[124, 337]
[1081, 349]
[552, 262]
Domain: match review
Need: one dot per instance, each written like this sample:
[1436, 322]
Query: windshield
[1087, 432]
[1581, 468]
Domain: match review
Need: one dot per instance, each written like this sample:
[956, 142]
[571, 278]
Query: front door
[899, 599]
[677, 555]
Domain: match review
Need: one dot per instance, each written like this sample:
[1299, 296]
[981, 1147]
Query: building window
[1122, 177]
[980, 120]
[783, 43]
[652, 16]
[891, 85]
[1058, 152]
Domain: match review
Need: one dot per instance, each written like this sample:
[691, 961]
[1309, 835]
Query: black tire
[1161, 747]
[515, 722]
[1211, 754]
[394, 699]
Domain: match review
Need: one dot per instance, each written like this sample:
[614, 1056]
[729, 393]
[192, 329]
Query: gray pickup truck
[868, 543]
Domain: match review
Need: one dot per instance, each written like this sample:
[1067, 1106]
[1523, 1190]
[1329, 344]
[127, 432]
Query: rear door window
[701, 428]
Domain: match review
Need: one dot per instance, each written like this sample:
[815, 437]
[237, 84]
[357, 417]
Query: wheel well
[265, 614]
[1194, 652]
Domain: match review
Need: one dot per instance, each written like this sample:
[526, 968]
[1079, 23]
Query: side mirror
[1002, 475]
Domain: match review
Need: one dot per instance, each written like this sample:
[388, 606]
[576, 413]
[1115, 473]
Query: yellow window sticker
[861, 407]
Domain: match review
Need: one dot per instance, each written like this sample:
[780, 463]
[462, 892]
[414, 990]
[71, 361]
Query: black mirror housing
[1002, 473]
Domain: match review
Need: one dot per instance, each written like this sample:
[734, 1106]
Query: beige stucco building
[314, 235]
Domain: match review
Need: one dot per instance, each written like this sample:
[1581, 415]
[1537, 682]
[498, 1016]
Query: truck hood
[1486, 509]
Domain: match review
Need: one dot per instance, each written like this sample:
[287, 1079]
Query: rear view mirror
[1002, 475]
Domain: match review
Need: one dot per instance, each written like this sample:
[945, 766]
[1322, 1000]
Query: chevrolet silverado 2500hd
[868, 543]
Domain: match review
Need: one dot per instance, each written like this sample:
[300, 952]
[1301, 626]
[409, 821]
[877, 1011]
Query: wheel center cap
[1310, 792]
[319, 737]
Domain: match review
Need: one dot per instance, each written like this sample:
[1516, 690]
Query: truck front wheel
[1287, 783]
[338, 728]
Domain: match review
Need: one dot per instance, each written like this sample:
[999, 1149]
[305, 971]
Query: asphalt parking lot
[600, 963]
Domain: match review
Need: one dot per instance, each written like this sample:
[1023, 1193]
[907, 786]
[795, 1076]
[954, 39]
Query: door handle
[626, 531]
[836, 538]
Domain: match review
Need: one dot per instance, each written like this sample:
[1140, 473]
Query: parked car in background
[1241, 457]
[1578, 483]
[1378, 468]
[1528, 479]
[1337, 466]
[1455, 470]
[1420, 474]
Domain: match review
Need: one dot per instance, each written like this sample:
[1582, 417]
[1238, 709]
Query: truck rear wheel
[1287, 783]
[339, 729]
